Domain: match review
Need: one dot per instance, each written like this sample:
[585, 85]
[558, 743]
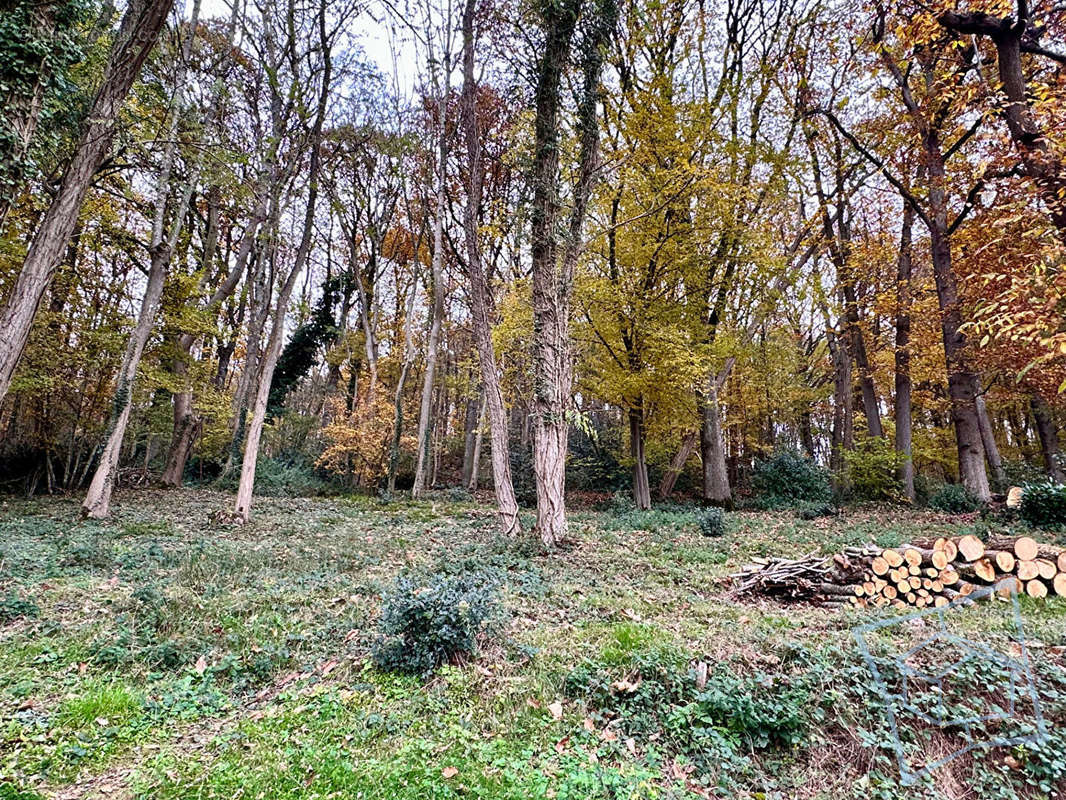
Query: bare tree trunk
[425, 430]
[716, 488]
[136, 37]
[1049, 437]
[988, 439]
[677, 463]
[475, 471]
[904, 419]
[470, 432]
[405, 370]
[843, 432]
[480, 296]
[243, 505]
[641, 487]
[98, 499]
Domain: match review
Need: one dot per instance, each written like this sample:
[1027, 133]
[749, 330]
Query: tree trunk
[136, 37]
[716, 489]
[475, 471]
[269, 361]
[988, 440]
[904, 420]
[552, 276]
[425, 414]
[480, 296]
[1049, 437]
[98, 498]
[470, 431]
[401, 383]
[843, 432]
[641, 488]
[677, 463]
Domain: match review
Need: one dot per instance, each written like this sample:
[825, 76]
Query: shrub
[786, 479]
[275, 477]
[712, 522]
[870, 470]
[437, 619]
[810, 511]
[12, 607]
[954, 498]
[1044, 504]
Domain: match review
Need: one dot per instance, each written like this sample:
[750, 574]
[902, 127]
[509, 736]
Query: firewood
[912, 557]
[981, 569]
[893, 558]
[949, 577]
[939, 559]
[1048, 570]
[879, 566]
[1036, 589]
[932, 572]
[970, 547]
[940, 601]
[911, 597]
[903, 586]
[937, 587]
[914, 569]
[892, 593]
[914, 582]
[1005, 560]
[1025, 548]
[1059, 584]
[1027, 570]
[1061, 561]
[927, 583]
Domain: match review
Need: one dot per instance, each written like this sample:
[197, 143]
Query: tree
[553, 266]
[134, 40]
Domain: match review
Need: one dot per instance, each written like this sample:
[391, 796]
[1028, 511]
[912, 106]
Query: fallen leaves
[449, 772]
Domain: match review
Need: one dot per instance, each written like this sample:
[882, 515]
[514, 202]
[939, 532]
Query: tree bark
[988, 439]
[1012, 36]
[904, 419]
[641, 488]
[552, 276]
[243, 504]
[1049, 437]
[98, 499]
[480, 296]
[716, 489]
[677, 463]
[136, 36]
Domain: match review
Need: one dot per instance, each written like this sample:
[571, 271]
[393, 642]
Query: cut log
[912, 557]
[893, 558]
[937, 587]
[932, 572]
[940, 601]
[1059, 584]
[1061, 561]
[984, 569]
[971, 548]
[914, 569]
[911, 597]
[1036, 589]
[1048, 570]
[879, 566]
[892, 593]
[1028, 570]
[1004, 561]
[939, 559]
[903, 586]
[1025, 548]
[949, 577]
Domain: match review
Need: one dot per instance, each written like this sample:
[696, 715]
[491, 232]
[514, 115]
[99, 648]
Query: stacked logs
[913, 575]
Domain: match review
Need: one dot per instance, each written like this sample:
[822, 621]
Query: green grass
[167, 657]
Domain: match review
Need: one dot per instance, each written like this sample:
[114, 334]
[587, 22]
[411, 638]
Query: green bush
[281, 478]
[12, 607]
[870, 470]
[712, 522]
[811, 511]
[1044, 504]
[787, 479]
[954, 498]
[426, 622]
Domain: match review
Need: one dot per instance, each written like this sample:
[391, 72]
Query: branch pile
[912, 575]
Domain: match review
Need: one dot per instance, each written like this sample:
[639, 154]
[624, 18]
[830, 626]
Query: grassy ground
[160, 655]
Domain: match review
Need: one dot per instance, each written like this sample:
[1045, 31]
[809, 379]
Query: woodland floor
[159, 655]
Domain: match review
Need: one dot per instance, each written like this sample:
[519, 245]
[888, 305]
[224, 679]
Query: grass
[158, 655]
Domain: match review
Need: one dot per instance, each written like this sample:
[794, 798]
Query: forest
[497, 362]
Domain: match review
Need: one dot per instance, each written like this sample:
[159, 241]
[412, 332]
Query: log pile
[912, 575]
